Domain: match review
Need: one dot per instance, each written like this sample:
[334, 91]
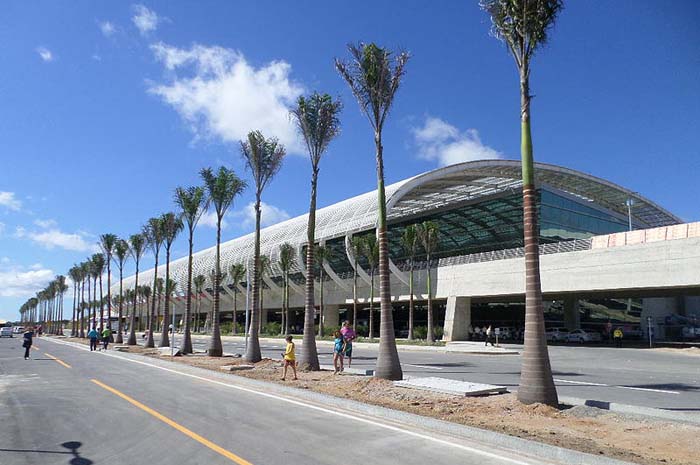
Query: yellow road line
[35, 348]
[216, 448]
[57, 360]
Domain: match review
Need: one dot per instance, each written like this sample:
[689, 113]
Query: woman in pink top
[349, 335]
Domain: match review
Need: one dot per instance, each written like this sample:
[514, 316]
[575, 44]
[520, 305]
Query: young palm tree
[98, 268]
[317, 120]
[192, 204]
[221, 189]
[374, 75]
[172, 225]
[356, 249]
[523, 26]
[153, 231]
[107, 243]
[121, 252]
[138, 245]
[370, 249]
[237, 272]
[322, 254]
[427, 233]
[285, 261]
[199, 281]
[264, 159]
[410, 242]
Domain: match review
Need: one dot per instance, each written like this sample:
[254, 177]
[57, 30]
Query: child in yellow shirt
[289, 358]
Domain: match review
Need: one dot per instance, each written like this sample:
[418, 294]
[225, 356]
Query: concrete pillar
[572, 317]
[331, 315]
[458, 317]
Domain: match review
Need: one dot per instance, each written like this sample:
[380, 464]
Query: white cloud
[96, 57]
[208, 219]
[440, 141]
[45, 54]
[144, 19]
[52, 238]
[45, 223]
[269, 215]
[107, 28]
[19, 282]
[7, 199]
[220, 95]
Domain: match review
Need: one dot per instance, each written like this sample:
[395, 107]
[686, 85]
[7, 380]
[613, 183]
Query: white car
[556, 334]
[581, 336]
[18, 329]
[6, 331]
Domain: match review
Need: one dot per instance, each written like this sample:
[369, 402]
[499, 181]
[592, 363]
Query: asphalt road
[69, 406]
[634, 376]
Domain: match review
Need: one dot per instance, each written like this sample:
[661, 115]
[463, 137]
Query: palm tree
[98, 268]
[85, 273]
[199, 281]
[317, 120]
[61, 288]
[286, 258]
[523, 26]
[138, 245]
[410, 242]
[212, 279]
[221, 189]
[192, 203]
[160, 286]
[121, 252]
[146, 296]
[322, 254]
[170, 286]
[237, 272]
[370, 249]
[356, 249]
[374, 75]
[264, 270]
[264, 159]
[75, 276]
[172, 225]
[427, 232]
[107, 243]
[153, 232]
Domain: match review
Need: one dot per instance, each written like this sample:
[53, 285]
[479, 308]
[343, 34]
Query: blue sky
[106, 107]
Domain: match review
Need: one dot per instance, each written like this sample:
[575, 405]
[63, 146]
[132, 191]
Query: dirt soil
[640, 440]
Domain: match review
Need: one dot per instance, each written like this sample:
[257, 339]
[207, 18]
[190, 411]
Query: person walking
[290, 358]
[338, 352]
[489, 337]
[92, 335]
[349, 335]
[617, 335]
[27, 342]
[106, 335]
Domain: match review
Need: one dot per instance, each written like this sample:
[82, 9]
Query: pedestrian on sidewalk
[617, 335]
[27, 342]
[290, 358]
[489, 337]
[338, 352]
[106, 335]
[349, 335]
[92, 335]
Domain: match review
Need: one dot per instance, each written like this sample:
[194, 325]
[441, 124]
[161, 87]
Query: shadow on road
[72, 447]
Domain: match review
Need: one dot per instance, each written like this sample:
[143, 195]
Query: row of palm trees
[47, 307]
[374, 75]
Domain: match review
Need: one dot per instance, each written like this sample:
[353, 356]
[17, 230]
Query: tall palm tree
[322, 254]
[410, 242]
[317, 120]
[172, 225]
[237, 272]
[199, 281]
[264, 271]
[221, 189]
[61, 288]
[160, 288]
[98, 268]
[75, 276]
[192, 203]
[107, 243]
[138, 246]
[374, 75]
[523, 25]
[264, 159]
[427, 232]
[146, 292]
[153, 231]
[356, 249]
[286, 258]
[121, 252]
[370, 250]
[212, 279]
[85, 273]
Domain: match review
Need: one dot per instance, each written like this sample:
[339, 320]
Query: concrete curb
[670, 415]
[533, 451]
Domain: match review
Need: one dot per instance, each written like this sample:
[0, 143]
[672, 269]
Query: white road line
[583, 383]
[662, 391]
[424, 366]
[347, 416]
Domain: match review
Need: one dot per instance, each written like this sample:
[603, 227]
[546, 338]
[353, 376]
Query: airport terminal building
[608, 255]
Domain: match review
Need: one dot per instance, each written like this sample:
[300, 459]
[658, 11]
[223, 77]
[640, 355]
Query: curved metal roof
[434, 189]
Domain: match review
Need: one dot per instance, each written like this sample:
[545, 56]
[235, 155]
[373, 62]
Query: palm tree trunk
[410, 302]
[536, 382]
[308, 354]
[253, 354]
[388, 364]
[150, 343]
[215, 348]
[82, 310]
[102, 307]
[109, 292]
[429, 336]
[187, 337]
[120, 327]
[132, 328]
[164, 339]
[235, 309]
[320, 307]
[73, 322]
[371, 305]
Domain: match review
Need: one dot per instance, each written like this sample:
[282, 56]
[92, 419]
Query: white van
[6, 331]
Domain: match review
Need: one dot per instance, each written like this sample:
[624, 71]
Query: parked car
[6, 331]
[556, 334]
[506, 334]
[18, 329]
[581, 336]
[688, 332]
